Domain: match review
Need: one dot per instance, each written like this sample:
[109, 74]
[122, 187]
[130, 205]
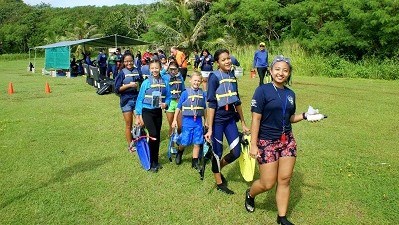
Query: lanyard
[283, 105]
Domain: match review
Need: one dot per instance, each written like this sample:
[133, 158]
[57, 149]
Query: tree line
[352, 29]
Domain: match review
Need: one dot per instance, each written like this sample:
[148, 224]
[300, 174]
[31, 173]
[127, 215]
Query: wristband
[304, 116]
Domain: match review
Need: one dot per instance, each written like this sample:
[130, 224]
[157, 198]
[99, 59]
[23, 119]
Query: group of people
[219, 108]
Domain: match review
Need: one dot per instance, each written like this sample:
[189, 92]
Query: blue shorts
[129, 106]
[191, 136]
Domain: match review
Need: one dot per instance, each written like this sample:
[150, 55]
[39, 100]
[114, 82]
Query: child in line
[224, 111]
[192, 105]
[174, 81]
[126, 85]
[152, 98]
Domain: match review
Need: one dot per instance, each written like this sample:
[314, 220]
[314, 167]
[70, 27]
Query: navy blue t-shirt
[221, 114]
[269, 101]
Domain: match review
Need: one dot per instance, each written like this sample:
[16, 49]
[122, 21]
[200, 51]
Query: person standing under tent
[112, 66]
[224, 111]
[102, 63]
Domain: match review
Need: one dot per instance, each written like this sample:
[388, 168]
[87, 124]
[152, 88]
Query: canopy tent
[57, 55]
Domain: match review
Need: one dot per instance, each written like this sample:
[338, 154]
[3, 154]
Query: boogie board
[140, 137]
[143, 152]
[247, 163]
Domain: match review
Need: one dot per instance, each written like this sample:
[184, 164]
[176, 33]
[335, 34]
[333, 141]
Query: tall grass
[317, 65]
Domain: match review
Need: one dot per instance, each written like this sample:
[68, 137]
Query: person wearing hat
[273, 145]
[260, 62]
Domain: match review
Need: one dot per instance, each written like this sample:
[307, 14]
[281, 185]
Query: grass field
[63, 159]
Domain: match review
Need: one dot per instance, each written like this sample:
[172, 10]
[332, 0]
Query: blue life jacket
[176, 87]
[194, 105]
[131, 76]
[226, 93]
[155, 85]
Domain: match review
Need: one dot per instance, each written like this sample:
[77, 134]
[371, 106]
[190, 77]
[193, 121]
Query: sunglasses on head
[281, 58]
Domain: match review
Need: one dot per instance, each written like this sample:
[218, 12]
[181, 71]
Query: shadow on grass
[269, 197]
[62, 176]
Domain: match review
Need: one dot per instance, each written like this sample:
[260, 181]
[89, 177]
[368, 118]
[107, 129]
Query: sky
[73, 3]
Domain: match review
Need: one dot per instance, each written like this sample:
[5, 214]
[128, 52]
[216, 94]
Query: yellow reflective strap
[175, 91]
[175, 82]
[218, 97]
[150, 96]
[132, 75]
[157, 85]
[192, 108]
[196, 96]
[227, 80]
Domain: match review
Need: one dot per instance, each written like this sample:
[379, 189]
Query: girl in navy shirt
[273, 144]
[126, 85]
[224, 110]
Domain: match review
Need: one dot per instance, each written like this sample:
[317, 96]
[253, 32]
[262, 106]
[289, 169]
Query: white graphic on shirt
[290, 99]
[253, 103]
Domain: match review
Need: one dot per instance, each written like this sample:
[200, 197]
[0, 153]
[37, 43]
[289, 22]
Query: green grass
[63, 159]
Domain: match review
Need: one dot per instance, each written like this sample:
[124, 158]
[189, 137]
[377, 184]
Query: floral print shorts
[271, 150]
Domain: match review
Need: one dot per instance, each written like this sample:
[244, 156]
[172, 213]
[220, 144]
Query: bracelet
[304, 116]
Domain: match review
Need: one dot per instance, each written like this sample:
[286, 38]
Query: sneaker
[179, 156]
[283, 220]
[158, 166]
[132, 147]
[223, 188]
[224, 181]
[154, 167]
[194, 164]
[249, 202]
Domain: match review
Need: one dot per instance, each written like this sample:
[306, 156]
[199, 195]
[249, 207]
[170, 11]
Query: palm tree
[188, 29]
[83, 31]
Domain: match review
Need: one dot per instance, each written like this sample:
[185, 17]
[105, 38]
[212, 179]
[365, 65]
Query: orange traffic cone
[10, 89]
[253, 73]
[47, 89]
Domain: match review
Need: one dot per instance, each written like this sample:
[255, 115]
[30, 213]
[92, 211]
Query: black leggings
[183, 72]
[153, 122]
[262, 71]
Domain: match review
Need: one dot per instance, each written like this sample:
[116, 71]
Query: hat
[262, 43]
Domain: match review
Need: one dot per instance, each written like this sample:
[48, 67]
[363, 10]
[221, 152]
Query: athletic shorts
[191, 136]
[129, 106]
[271, 150]
[172, 105]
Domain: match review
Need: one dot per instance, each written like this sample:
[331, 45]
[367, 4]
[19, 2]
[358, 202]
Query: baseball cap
[262, 44]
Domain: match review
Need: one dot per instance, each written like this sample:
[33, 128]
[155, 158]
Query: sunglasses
[281, 58]
[261, 46]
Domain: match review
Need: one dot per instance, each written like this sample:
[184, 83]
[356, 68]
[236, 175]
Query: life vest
[194, 105]
[131, 76]
[176, 86]
[226, 93]
[155, 85]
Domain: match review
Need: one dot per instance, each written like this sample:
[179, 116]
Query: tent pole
[29, 57]
[116, 42]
